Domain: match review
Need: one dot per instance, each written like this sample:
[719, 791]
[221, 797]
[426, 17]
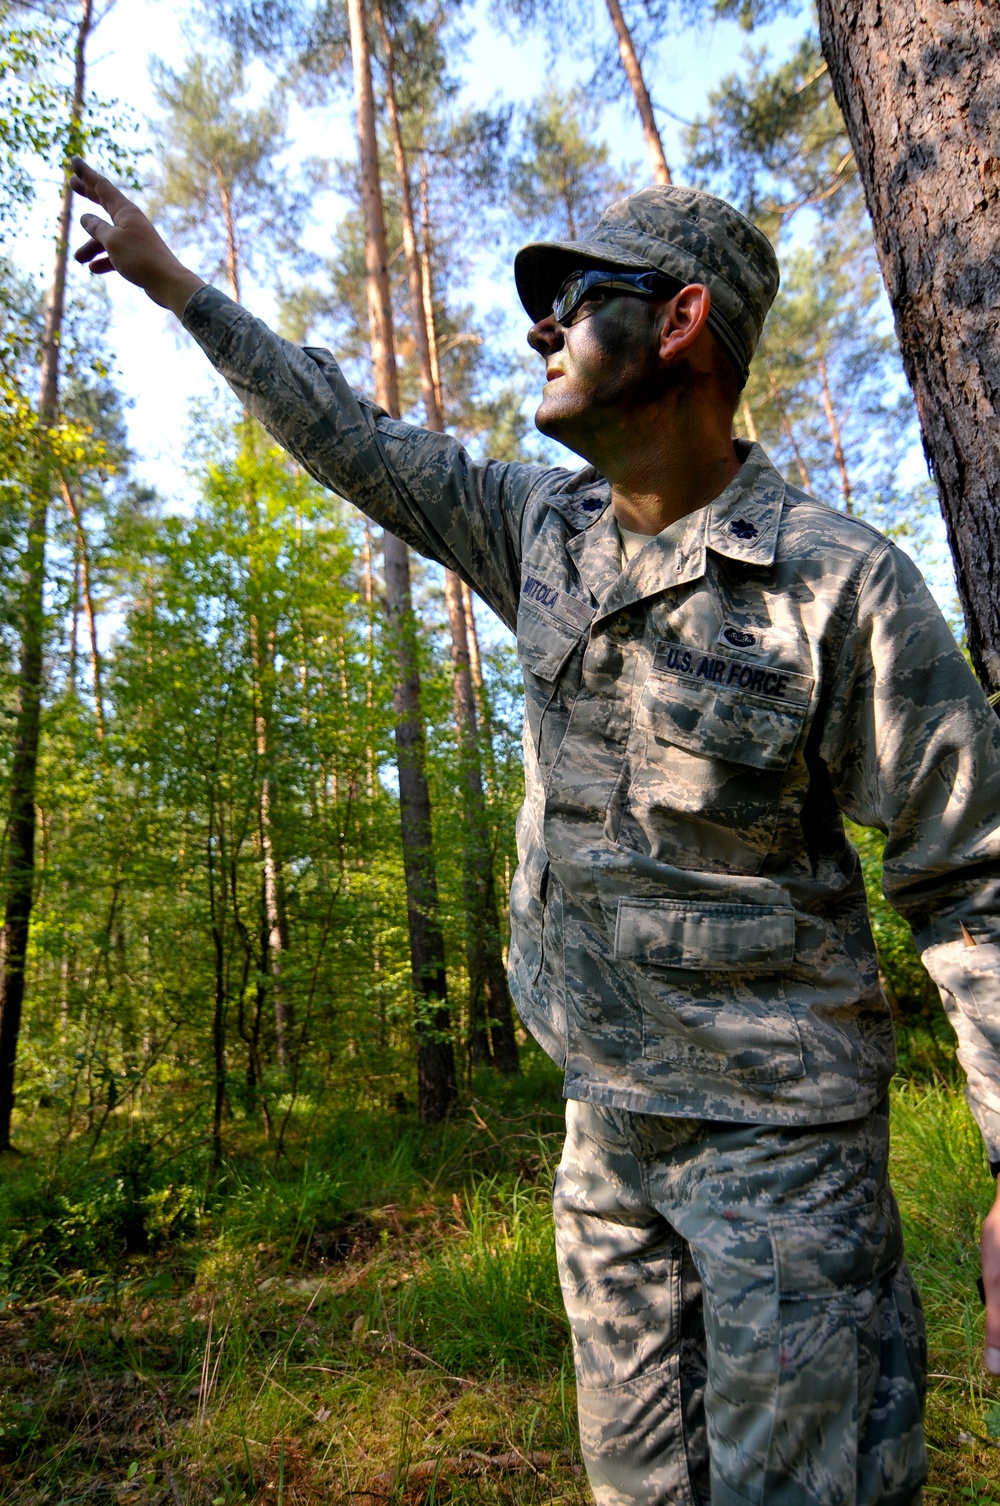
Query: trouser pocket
[847, 1421]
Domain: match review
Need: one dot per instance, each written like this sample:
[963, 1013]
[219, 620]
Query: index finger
[95, 186]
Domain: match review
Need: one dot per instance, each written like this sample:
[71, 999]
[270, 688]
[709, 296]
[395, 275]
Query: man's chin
[552, 420]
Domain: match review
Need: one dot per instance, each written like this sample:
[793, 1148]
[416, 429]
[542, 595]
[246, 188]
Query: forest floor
[376, 1320]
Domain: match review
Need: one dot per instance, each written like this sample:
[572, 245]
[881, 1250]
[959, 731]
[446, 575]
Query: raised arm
[423, 486]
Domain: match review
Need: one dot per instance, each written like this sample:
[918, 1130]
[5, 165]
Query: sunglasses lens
[569, 296]
[578, 284]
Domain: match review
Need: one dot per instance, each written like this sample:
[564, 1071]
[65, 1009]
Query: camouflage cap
[689, 236]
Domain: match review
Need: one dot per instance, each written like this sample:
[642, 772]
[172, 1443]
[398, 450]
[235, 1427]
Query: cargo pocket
[710, 983]
[833, 1273]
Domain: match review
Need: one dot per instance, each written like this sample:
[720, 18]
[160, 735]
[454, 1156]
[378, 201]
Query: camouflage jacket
[689, 926]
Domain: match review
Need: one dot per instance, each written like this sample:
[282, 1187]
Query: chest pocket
[723, 708]
[544, 643]
[550, 623]
[712, 758]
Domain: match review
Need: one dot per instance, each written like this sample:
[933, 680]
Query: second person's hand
[129, 244]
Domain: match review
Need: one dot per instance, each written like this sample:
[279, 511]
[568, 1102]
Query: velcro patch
[691, 664]
[745, 640]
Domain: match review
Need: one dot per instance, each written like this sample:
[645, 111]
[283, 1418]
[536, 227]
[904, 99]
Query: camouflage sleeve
[913, 748]
[421, 485]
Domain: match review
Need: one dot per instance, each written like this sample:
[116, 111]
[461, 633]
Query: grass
[378, 1322]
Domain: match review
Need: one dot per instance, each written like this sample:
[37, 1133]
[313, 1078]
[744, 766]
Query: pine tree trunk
[18, 884]
[918, 82]
[435, 1053]
[83, 566]
[490, 1009]
[643, 103]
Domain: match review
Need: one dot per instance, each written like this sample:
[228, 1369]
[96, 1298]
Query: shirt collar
[741, 523]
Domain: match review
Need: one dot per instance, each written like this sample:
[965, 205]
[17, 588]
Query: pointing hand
[129, 244]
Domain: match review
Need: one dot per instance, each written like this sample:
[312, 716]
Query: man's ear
[685, 317]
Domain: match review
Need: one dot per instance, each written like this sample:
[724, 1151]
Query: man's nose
[545, 336]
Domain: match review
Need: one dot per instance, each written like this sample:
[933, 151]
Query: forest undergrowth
[375, 1318]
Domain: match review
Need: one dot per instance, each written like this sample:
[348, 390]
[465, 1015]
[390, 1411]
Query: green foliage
[561, 178]
[221, 185]
[486, 1300]
[30, 105]
[775, 142]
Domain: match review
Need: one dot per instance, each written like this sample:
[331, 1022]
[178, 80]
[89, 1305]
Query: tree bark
[19, 876]
[490, 1009]
[435, 1053]
[643, 103]
[83, 566]
[918, 82]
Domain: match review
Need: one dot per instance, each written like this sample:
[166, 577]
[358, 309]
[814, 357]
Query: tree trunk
[643, 103]
[20, 868]
[435, 1053]
[489, 998]
[918, 82]
[83, 566]
[786, 424]
[834, 427]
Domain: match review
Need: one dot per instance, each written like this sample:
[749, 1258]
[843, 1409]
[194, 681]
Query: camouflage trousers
[744, 1326]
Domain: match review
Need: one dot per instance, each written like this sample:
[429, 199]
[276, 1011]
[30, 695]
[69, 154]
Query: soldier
[716, 666]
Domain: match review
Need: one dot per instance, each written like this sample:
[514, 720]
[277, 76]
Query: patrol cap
[686, 234]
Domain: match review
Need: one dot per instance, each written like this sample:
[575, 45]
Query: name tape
[733, 674]
[536, 590]
[559, 604]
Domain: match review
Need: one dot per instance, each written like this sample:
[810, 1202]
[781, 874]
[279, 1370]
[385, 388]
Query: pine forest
[275, 1149]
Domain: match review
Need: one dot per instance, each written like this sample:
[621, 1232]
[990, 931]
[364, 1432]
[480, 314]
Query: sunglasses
[578, 286]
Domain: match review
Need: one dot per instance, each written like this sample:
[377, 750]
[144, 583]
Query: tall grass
[315, 1326]
[486, 1300]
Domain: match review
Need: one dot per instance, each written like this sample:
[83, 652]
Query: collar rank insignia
[742, 529]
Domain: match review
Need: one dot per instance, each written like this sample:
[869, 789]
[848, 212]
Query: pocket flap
[721, 708]
[714, 936]
[835, 1252]
[544, 643]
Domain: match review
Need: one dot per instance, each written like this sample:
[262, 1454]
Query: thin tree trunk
[489, 998]
[482, 703]
[834, 427]
[748, 421]
[435, 1053]
[18, 883]
[219, 1003]
[643, 103]
[232, 250]
[83, 560]
[918, 83]
[370, 782]
[772, 382]
[74, 634]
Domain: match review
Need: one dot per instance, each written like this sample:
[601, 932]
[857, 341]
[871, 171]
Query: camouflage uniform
[690, 936]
